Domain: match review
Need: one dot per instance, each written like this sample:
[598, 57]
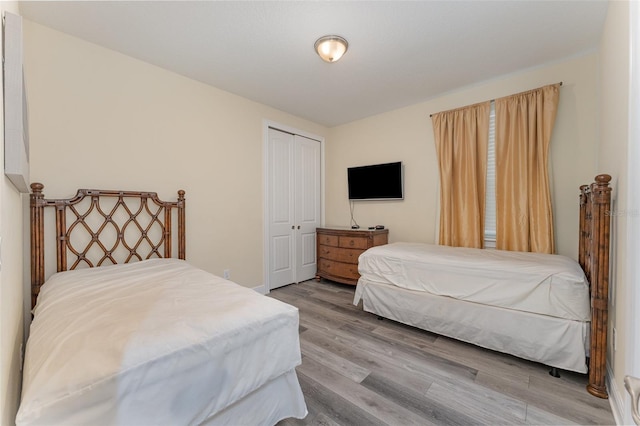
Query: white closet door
[281, 208]
[307, 202]
[294, 207]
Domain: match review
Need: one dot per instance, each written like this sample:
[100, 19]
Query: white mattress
[545, 284]
[153, 342]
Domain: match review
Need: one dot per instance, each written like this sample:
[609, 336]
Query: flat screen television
[376, 182]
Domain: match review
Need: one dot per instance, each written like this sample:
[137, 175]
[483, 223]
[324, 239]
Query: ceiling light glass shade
[331, 48]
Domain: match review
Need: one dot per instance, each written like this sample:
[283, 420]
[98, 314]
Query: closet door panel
[281, 208]
[307, 210]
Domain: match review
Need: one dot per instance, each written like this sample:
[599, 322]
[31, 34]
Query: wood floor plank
[329, 330]
[435, 412]
[324, 420]
[484, 359]
[383, 409]
[331, 286]
[341, 297]
[537, 417]
[433, 366]
[322, 400]
[320, 314]
[483, 405]
[319, 317]
[501, 364]
[365, 359]
[331, 360]
[335, 335]
[405, 334]
[556, 403]
[565, 389]
[297, 290]
[505, 383]
[351, 316]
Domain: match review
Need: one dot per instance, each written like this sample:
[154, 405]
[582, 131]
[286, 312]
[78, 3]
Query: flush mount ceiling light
[331, 47]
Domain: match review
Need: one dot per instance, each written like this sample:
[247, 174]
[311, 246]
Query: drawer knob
[351, 242]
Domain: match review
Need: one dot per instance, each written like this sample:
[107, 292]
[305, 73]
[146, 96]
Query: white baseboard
[616, 399]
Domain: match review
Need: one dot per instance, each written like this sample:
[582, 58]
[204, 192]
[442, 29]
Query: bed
[123, 333]
[545, 308]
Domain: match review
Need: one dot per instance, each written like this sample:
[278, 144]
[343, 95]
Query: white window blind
[490, 196]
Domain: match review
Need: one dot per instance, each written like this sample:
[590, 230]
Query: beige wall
[100, 119]
[612, 158]
[11, 283]
[407, 135]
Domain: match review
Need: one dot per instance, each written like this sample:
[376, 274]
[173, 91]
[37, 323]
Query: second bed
[534, 306]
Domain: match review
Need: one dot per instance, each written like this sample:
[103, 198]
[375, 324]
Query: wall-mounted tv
[376, 182]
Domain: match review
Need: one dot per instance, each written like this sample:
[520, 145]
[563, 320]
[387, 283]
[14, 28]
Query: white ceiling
[400, 52]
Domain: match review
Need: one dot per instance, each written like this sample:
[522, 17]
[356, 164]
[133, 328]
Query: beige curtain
[524, 220]
[461, 143]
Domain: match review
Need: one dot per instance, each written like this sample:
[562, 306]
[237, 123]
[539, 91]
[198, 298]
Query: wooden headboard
[97, 227]
[593, 256]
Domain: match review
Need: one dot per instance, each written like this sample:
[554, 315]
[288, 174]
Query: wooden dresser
[338, 250]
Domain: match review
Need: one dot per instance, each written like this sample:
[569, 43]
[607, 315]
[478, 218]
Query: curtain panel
[461, 137]
[524, 122]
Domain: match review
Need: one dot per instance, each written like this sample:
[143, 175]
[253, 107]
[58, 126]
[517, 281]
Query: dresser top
[347, 229]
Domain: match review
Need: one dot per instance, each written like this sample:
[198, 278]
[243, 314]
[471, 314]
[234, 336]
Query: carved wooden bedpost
[598, 275]
[61, 236]
[37, 240]
[583, 234]
[181, 226]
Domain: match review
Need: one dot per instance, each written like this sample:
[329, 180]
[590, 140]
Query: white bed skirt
[556, 342]
[276, 400]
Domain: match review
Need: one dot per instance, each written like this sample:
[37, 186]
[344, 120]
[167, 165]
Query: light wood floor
[358, 370]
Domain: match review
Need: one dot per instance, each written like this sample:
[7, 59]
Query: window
[490, 195]
[470, 171]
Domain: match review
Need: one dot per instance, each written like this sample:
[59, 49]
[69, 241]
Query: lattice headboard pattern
[97, 227]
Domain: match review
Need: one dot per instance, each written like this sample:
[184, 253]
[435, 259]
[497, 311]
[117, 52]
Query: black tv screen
[376, 182]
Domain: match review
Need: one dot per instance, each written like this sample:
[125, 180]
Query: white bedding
[154, 342]
[545, 284]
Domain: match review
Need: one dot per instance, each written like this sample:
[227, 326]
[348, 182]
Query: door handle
[632, 384]
[293, 227]
[298, 226]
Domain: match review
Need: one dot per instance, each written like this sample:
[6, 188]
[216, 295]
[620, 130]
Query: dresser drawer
[328, 240]
[340, 254]
[339, 269]
[353, 242]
